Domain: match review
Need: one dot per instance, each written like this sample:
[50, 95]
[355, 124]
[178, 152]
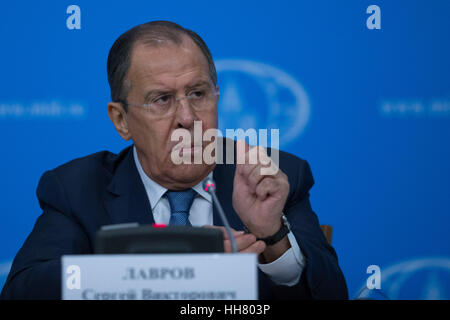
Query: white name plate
[159, 277]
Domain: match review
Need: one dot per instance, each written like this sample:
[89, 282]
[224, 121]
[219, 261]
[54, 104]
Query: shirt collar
[155, 191]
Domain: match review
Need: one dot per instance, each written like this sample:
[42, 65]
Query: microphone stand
[210, 187]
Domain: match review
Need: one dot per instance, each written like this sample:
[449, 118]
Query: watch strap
[280, 234]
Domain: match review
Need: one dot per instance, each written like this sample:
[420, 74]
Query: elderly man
[162, 79]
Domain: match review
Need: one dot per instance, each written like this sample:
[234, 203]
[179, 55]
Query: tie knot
[181, 201]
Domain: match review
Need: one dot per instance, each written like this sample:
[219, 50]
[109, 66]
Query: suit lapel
[125, 198]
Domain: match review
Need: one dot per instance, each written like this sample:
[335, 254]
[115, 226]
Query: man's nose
[185, 116]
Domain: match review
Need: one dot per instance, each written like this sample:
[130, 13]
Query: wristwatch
[280, 234]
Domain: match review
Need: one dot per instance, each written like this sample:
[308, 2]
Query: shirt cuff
[287, 269]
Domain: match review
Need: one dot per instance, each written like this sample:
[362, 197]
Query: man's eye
[198, 94]
[163, 100]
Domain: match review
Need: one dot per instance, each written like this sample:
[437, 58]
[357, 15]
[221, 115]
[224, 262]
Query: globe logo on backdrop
[421, 279]
[260, 96]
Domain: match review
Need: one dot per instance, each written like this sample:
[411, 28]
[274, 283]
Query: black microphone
[210, 186]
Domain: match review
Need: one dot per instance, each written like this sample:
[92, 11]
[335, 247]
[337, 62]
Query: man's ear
[118, 117]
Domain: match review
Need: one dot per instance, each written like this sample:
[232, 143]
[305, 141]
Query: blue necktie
[180, 204]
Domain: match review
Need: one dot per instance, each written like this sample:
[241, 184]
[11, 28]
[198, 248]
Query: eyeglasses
[165, 103]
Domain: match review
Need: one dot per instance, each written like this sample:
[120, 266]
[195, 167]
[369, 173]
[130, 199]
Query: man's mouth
[183, 149]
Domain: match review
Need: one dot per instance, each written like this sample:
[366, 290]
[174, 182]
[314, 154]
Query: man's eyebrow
[199, 84]
[154, 92]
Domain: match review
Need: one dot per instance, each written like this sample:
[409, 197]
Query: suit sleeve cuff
[287, 269]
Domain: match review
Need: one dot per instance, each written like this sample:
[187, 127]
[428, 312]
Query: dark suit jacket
[79, 197]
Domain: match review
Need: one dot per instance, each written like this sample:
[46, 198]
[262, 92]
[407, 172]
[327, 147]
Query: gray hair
[151, 33]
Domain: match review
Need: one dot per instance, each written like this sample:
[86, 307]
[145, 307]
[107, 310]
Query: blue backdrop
[369, 109]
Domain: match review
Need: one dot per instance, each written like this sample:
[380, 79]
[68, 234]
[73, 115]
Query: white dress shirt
[286, 270]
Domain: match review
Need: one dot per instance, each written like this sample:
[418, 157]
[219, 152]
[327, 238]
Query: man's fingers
[241, 151]
[242, 242]
[266, 187]
[254, 161]
[257, 247]
[245, 242]
[246, 155]
[245, 161]
[255, 177]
